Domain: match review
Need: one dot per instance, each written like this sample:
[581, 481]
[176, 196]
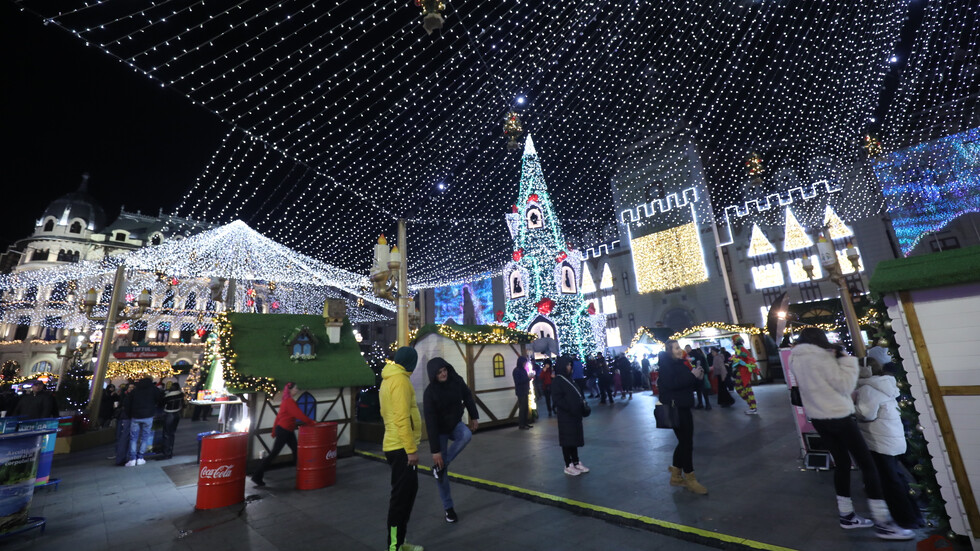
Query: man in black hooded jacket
[442, 405]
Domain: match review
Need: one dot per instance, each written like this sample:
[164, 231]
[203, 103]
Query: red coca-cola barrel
[653, 383]
[221, 479]
[316, 464]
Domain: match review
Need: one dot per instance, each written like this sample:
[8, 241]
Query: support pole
[98, 378]
[402, 301]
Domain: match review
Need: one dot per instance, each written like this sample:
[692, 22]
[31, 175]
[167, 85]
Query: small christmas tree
[73, 393]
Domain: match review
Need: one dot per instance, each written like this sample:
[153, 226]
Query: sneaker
[410, 547]
[891, 531]
[436, 472]
[752, 412]
[581, 468]
[851, 521]
[451, 515]
[141, 461]
[258, 482]
[131, 463]
[570, 470]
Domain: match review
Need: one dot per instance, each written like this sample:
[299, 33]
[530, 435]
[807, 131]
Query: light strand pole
[112, 317]
[828, 260]
[389, 278]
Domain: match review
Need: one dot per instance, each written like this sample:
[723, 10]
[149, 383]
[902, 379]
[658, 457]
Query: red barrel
[653, 382]
[316, 464]
[221, 479]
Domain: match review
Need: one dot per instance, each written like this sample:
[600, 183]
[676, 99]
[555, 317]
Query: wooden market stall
[256, 354]
[484, 355]
[933, 302]
[721, 334]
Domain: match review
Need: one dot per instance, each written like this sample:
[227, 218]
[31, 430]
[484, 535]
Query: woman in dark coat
[678, 381]
[568, 402]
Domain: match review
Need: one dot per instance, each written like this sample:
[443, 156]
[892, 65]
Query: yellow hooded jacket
[403, 425]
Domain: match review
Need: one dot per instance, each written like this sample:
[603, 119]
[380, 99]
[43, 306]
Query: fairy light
[720, 326]
[795, 237]
[669, 259]
[758, 244]
[333, 104]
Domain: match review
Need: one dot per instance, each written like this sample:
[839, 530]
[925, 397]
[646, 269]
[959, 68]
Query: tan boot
[691, 482]
[675, 476]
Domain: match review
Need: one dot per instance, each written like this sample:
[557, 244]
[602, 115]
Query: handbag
[664, 415]
[794, 396]
[586, 409]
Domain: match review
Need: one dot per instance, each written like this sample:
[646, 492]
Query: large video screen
[930, 184]
[451, 302]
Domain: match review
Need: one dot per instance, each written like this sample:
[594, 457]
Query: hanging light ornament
[755, 168]
[872, 146]
[513, 130]
[431, 14]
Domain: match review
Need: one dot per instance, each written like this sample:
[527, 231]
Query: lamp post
[115, 315]
[74, 344]
[389, 278]
[828, 260]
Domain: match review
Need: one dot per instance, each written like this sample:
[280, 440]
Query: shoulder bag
[664, 415]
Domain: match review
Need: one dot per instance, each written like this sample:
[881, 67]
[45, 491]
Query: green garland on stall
[917, 454]
[227, 356]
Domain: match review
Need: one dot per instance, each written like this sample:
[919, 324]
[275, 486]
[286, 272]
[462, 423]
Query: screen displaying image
[470, 302]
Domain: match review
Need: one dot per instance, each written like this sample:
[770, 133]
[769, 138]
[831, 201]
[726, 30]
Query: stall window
[41, 367]
[498, 365]
[307, 404]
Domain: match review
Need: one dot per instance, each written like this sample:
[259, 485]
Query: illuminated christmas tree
[541, 281]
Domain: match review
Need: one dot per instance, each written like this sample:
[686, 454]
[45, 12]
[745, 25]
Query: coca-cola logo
[332, 454]
[224, 471]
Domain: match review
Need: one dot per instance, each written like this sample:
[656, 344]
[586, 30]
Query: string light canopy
[346, 115]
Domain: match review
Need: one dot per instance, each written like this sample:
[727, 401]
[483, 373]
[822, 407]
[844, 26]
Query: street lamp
[389, 278]
[116, 314]
[828, 260]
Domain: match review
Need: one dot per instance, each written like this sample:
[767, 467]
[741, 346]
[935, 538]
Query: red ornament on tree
[591, 309]
[518, 255]
[201, 332]
[174, 281]
[499, 315]
[249, 302]
[545, 305]
[512, 325]
[561, 256]
[513, 209]
[274, 305]
[533, 197]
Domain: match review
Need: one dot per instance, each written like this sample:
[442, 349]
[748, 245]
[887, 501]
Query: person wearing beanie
[443, 403]
[522, 387]
[403, 432]
[827, 377]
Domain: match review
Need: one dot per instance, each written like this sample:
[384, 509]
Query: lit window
[613, 337]
[534, 218]
[609, 304]
[795, 237]
[588, 285]
[498, 365]
[76, 227]
[796, 272]
[568, 284]
[769, 275]
[835, 226]
[517, 289]
[49, 225]
[758, 244]
[41, 367]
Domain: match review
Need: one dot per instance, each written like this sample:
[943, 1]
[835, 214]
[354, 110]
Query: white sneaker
[752, 412]
[572, 471]
[131, 463]
[851, 521]
[892, 531]
[581, 468]
[141, 461]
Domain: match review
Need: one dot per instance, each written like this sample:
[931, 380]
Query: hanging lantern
[513, 130]
[431, 14]
[872, 146]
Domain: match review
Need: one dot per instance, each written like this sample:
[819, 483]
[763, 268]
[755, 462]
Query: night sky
[68, 109]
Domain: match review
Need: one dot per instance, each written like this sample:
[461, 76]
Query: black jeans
[170, 422]
[841, 436]
[522, 409]
[570, 453]
[896, 490]
[404, 486]
[547, 397]
[684, 431]
[283, 438]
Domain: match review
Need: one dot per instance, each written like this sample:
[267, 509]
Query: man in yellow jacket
[403, 431]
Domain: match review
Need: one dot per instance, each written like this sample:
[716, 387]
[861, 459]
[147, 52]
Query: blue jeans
[122, 440]
[140, 432]
[460, 436]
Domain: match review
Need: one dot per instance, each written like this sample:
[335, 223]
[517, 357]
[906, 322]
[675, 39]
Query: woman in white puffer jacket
[881, 424]
[827, 378]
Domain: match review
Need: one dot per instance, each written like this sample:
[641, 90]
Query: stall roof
[475, 334]
[260, 342]
[954, 267]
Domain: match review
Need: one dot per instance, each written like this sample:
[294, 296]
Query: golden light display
[766, 276]
[588, 285]
[751, 330]
[796, 272]
[795, 237]
[835, 226]
[137, 369]
[669, 259]
[759, 245]
[498, 335]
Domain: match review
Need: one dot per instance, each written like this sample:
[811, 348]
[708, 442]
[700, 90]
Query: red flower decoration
[274, 305]
[512, 325]
[533, 197]
[249, 302]
[499, 315]
[513, 209]
[591, 309]
[561, 256]
[174, 281]
[545, 305]
[518, 255]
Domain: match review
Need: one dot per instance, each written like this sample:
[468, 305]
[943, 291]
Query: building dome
[77, 204]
